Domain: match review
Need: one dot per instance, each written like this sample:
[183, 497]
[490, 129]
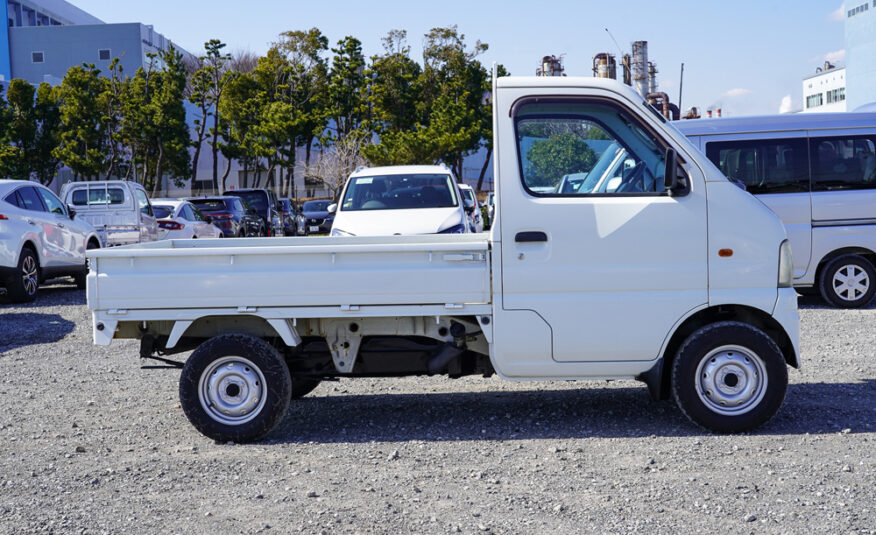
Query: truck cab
[675, 277]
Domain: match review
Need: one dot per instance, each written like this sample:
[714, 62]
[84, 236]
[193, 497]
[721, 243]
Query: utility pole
[680, 86]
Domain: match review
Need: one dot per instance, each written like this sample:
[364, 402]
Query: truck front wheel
[235, 387]
[729, 377]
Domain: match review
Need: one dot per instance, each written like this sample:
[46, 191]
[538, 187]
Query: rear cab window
[97, 195]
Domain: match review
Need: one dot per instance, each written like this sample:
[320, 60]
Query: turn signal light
[725, 252]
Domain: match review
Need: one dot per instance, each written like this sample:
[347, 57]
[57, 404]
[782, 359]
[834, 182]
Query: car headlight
[339, 232]
[786, 265]
[455, 229]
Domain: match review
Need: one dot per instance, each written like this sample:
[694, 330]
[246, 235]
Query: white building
[825, 91]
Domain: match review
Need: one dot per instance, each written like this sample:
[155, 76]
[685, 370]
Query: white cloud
[838, 14]
[736, 92]
[837, 56]
[787, 105]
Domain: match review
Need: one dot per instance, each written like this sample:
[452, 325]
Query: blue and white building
[860, 37]
[42, 39]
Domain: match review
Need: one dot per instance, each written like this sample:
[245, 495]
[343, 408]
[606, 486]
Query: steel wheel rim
[232, 390]
[850, 282]
[29, 275]
[731, 380]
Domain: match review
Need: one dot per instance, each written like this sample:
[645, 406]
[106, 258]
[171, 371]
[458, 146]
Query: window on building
[765, 166]
[813, 101]
[104, 54]
[842, 163]
[37, 57]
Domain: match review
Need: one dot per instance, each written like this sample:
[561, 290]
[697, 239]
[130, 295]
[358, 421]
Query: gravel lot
[90, 443]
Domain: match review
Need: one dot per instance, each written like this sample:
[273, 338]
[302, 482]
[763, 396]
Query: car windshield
[599, 169]
[284, 205]
[315, 206]
[254, 199]
[161, 211]
[468, 194]
[399, 192]
[209, 204]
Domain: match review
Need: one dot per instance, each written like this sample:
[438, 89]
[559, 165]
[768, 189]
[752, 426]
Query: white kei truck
[674, 276]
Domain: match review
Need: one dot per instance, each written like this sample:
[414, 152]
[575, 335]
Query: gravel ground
[90, 443]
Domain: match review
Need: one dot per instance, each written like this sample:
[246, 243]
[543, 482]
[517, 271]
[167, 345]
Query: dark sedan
[231, 215]
[287, 210]
[314, 217]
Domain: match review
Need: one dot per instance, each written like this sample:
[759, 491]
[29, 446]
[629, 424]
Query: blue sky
[745, 56]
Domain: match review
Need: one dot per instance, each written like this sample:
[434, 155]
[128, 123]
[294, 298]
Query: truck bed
[452, 271]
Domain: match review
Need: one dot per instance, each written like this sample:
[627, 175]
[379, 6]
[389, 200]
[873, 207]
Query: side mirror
[71, 211]
[670, 176]
[468, 205]
[332, 208]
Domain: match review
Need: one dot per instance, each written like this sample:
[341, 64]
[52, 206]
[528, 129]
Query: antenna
[615, 42]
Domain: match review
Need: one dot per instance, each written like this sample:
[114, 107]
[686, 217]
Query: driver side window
[586, 149]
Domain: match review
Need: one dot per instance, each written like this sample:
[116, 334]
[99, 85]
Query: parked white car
[39, 239]
[118, 209]
[181, 220]
[474, 214]
[817, 172]
[400, 200]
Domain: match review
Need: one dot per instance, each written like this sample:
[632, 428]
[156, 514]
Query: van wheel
[729, 377]
[22, 287]
[847, 281]
[301, 386]
[235, 387]
[80, 278]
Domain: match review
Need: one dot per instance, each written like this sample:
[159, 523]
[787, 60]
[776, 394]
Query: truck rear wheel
[235, 387]
[729, 377]
[847, 281]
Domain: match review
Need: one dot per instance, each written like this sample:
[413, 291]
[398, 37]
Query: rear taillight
[221, 216]
[169, 225]
[3, 217]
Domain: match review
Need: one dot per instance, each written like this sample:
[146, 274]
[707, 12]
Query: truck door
[613, 265]
[776, 170]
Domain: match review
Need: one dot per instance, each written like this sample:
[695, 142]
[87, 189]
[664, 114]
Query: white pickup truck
[672, 276]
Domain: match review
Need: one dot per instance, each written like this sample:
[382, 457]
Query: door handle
[31, 222]
[529, 237]
[61, 225]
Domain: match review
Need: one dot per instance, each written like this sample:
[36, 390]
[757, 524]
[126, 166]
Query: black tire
[237, 364]
[301, 386]
[729, 377]
[851, 267]
[24, 285]
[80, 278]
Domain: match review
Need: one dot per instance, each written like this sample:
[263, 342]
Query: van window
[98, 195]
[143, 202]
[586, 149]
[846, 162]
[763, 165]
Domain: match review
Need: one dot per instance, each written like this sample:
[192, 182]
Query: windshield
[162, 212]
[254, 199]
[208, 204]
[400, 192]
[602, 165]
[468, 194]
[315, 206]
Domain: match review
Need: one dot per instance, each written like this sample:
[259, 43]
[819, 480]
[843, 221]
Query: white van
[120, 210]
[817, 172]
